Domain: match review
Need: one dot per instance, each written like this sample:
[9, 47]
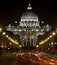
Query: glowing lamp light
[20, 30]
[20, 46]
[55, 43]
[0, 29]
[36, 30]
[48, 48]
[41, 30]
[29, 8]
[51, 43]
[32, 29]
[37, 46]
[4, 33]
[7, 36]
[42, 22]
[2, 46]
[10, 43]
[15, 30]
[8, 48]
[53, 33]
[50, 36]
[15, 21]
[16, 43]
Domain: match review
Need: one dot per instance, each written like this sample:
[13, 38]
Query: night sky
[12, 10]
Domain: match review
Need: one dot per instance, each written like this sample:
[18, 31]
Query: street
[29, 58]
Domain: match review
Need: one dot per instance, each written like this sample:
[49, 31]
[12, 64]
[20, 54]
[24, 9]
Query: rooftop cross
[29, 7]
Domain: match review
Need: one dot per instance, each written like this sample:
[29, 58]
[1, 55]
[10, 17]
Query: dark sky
[12, 10]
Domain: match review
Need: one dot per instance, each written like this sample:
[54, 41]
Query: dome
[29, 16]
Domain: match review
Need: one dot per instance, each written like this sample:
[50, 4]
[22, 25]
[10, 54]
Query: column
[33, 41]
[23, 42]
[30, 41]
[26, 41]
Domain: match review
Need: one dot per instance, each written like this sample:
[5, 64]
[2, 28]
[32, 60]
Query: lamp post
[37, 47]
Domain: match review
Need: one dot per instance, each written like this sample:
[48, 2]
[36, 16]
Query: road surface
[28, 58]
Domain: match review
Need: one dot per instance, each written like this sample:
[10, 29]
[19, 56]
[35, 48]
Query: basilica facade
[28, 28]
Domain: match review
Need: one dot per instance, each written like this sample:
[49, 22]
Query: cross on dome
[29, 7]
[29, 4]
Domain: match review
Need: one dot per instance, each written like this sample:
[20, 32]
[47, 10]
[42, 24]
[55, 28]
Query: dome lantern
[29, 7]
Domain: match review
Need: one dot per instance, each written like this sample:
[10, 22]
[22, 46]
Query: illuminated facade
[28, 28]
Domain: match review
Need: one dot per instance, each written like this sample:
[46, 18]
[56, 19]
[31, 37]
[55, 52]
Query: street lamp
[7, 36]
[42, 22]
[53, 33]
[20, 46]
[37, 46]
[0, 29]
[2, 46]
[50, 36]
[51, 43]
[4, 33]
